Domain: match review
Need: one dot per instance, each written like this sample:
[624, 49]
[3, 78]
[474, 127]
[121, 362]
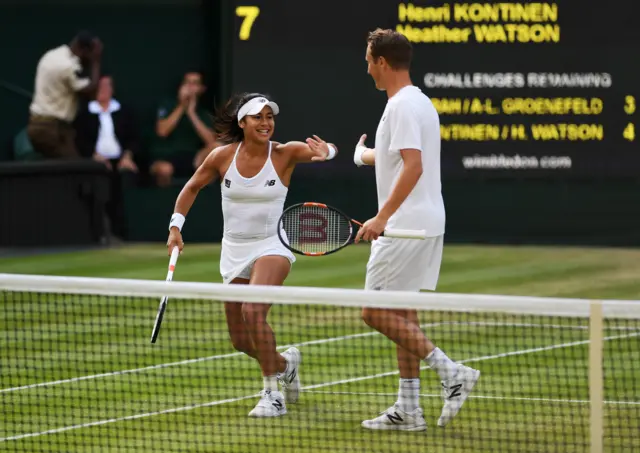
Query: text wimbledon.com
[517, 162]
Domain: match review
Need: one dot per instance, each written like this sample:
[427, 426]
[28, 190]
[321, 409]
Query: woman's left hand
[318, 146]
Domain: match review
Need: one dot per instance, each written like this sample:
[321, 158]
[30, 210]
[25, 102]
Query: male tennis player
[407, 164]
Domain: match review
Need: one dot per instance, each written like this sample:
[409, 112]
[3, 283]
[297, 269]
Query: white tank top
[251, 207]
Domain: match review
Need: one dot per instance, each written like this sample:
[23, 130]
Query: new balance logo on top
[394, 418]
[270, 182]
[455, 391]
[227, 183]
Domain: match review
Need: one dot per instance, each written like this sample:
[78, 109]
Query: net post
[596, 381]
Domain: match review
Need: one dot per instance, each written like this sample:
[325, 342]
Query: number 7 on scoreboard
[250, 13]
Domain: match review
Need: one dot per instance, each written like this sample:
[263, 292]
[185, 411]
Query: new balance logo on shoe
[291, 376]
[455, 391]
[394, 418]
[271, 182]
[277, 404]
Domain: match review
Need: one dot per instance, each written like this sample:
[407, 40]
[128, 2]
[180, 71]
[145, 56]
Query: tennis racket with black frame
[315, 229]
[163, 302]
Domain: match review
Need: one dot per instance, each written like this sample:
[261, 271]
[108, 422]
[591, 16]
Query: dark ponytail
[226, 121]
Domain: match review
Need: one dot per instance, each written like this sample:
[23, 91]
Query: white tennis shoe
[290, 379]
[271, 404]
[455, 392]
[396, 419]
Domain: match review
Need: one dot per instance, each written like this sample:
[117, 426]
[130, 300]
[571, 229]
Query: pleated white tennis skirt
[237, 258]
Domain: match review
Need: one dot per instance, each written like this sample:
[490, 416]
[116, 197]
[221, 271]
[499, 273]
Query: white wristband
[332, 152]
[357, 156]
[177, 220]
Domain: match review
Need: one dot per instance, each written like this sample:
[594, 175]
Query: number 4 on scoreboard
[249, 13]
[629, 132]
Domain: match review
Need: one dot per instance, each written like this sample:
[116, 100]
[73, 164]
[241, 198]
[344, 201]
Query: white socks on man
[270, 383]
[409, 394]
[443, 365]
[409, 389]
[405, 414]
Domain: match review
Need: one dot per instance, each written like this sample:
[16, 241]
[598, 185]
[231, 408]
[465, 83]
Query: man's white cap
[255, 106]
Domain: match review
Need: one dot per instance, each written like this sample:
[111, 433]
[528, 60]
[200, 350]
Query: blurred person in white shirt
[59, 83]
[107, 132]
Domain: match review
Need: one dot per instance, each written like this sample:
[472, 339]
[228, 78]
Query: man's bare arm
[409, 176]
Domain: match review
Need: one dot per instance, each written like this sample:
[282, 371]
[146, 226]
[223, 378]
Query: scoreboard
[523, 89]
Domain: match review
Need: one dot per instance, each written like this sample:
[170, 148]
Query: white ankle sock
[443, 365]
[409, 394]
[270, 383]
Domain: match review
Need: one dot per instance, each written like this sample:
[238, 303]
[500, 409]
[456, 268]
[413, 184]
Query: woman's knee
[371, 317]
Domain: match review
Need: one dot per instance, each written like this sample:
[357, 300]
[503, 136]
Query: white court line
[478, 359]
[306, 343]
[484, 397]
[544, 326]
[189, 361]
[309, 387]
[129, 417]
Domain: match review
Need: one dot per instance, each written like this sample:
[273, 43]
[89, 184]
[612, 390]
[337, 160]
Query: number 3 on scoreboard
[250, 13]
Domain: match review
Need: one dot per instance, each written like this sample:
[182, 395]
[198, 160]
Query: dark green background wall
[148, 45]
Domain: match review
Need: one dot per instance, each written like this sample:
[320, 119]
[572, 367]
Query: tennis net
[79, 374]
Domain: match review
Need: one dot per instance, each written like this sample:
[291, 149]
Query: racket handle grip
[175, 253]
[404, 234]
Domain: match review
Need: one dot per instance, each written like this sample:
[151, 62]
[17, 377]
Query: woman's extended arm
[314, 150]
[205, 174]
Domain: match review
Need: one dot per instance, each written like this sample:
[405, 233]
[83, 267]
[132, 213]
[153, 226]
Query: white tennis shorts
[404, 264]
[237, 258]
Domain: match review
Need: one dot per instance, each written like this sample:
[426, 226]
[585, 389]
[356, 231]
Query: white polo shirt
[56, 84]
[410, 121]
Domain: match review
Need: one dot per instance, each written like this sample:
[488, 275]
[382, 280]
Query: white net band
[542, 306]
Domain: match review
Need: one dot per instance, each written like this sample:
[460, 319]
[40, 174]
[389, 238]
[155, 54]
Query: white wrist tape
[177, 220]
[332, 152]
[357, 156]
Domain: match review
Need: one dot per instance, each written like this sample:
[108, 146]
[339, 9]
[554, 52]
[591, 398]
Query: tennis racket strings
[313, 229]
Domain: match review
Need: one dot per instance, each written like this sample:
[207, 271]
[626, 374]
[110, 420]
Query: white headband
[255, 106]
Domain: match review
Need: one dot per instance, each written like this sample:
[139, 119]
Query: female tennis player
[254, 175]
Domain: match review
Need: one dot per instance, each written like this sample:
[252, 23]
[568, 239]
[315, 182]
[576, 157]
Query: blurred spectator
[184, 133]
[58, 84]
[107, 132]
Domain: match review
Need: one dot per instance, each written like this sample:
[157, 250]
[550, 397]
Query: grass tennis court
[191, 391]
